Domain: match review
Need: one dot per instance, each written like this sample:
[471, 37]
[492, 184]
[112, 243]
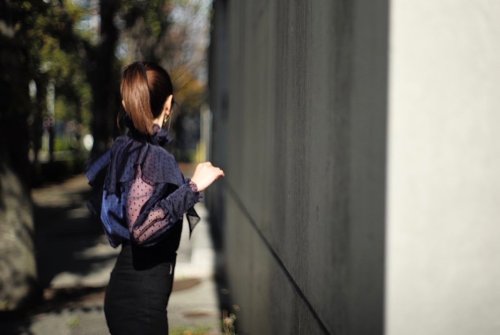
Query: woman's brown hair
[144, 88]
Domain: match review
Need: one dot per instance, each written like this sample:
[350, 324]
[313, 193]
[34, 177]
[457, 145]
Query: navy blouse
[157, 194]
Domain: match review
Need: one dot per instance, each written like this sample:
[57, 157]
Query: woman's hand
[205, 174]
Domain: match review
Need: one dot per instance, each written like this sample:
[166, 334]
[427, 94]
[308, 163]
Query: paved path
[75, 261]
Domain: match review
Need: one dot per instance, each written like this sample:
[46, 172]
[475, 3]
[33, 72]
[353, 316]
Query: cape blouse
[157, 194]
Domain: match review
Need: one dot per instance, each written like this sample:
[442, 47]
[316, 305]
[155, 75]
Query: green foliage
[62, 57]
[146, 24]
[54, 43]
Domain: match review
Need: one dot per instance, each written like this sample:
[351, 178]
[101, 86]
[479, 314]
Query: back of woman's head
[145, 88]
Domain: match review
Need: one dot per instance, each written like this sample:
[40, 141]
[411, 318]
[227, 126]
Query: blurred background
[60, 65]
[358, 138]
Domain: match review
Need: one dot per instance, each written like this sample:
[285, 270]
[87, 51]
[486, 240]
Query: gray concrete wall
[304, 160]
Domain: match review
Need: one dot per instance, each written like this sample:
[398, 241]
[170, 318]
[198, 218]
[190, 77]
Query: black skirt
[138, 291]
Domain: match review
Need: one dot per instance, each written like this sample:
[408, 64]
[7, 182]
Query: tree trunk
[104, 78]
[17, 258]
[18, 275]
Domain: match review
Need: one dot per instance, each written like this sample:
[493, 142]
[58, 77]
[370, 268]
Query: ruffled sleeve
[148, 219]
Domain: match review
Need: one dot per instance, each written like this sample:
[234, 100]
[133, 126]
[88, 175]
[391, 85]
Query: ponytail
[144, 89]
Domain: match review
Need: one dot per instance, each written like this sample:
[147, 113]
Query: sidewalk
[75, 261]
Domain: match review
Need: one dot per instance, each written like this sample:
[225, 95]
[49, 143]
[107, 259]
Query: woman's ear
[167, 107]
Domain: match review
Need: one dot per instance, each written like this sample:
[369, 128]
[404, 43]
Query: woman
[144, 180]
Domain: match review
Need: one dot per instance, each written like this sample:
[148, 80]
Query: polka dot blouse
[162, 215]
